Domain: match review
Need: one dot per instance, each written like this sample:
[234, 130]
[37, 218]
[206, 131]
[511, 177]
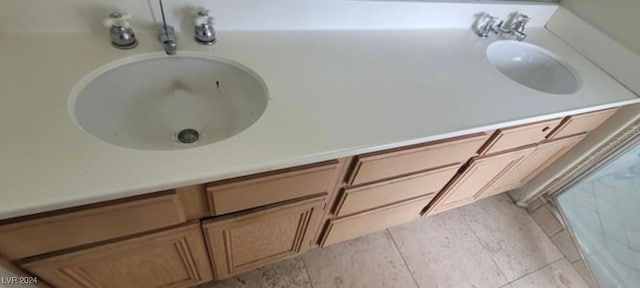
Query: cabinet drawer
[258, 190]
[391, 163]
[581, 123]
[88, 224]
[358, 199]
[239, 243]
[350, 227]
[172, 258]
[509, 138]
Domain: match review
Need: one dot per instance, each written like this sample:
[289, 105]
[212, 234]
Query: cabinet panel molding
[477, 180]
[258, 190]
[353, 226]
[519, 136]
[543, 156]
[577, 124]
[172, 258]
[357, 199]
[94, 223]
[239, 243]
[388, 164]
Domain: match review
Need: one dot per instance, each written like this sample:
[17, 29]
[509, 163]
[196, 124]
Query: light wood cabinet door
[543, 156]
[477, 179]
[239, 243]
[171, 258]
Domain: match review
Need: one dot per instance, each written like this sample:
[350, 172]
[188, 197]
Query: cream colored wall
[616, 18]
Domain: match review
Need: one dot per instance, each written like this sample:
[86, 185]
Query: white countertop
[333, 94]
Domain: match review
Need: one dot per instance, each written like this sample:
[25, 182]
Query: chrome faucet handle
[487, 26]
[518, 25]
[204, 32]
[121, 33]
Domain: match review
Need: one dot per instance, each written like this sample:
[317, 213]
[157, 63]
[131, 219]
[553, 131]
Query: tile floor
[491, 243]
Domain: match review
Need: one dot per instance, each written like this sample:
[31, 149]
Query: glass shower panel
[603, 211]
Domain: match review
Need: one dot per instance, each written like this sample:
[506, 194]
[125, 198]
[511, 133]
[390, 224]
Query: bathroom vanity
[188, 235]
[296, 139]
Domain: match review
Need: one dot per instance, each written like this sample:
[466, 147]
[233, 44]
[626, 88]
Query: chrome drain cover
[188, 136]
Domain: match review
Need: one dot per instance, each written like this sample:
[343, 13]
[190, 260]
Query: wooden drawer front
[88, 225]
[477, 180]
[241, 243]
[388, 164]
[581, 123]
[171, 258]
[358, 199]
[255, 191]
[350, 227]
[509, 138]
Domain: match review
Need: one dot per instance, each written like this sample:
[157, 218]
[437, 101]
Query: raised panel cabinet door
[239, 243]
[172, 258]
[543, 156]
[477, 179]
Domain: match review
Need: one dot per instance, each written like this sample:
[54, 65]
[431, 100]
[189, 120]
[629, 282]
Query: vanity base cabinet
[240, 243]
[176, 257]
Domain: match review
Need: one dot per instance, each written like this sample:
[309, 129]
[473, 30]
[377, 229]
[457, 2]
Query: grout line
[403, 259]
[304, 263]
[464, 219]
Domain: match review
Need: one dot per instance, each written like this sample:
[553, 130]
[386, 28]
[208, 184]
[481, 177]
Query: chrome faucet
[515, 27]
[167, 35]
[486, 24]
[203, 28]
[122, 36]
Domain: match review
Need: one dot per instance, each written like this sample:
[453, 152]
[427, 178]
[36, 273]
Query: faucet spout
[170, 47]
[167, 35]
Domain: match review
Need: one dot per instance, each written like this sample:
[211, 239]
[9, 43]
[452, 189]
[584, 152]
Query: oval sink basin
[159, 102]
[533, 67]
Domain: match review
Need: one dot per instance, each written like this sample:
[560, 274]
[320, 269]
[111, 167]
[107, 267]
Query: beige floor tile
[557, 275]
[441, 251]
[513, 239]
[285, 274]
[369, 261]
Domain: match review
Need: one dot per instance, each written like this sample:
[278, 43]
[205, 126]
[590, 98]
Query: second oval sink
[159, 102]
[533, 67]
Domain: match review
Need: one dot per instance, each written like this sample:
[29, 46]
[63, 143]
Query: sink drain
[188, 136]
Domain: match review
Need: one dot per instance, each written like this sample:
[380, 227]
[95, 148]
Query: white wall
[45, 16]
[617, 18]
